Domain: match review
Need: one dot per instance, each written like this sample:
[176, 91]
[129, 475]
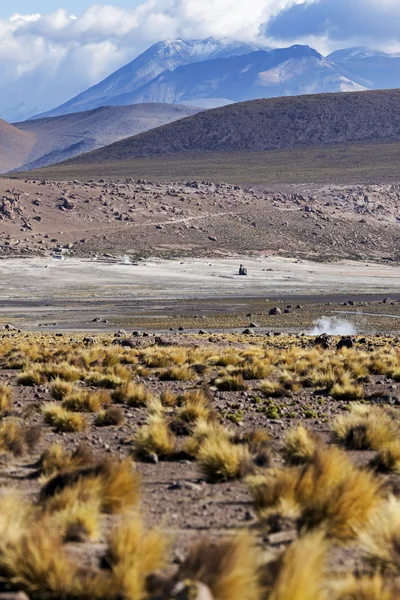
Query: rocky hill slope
[264, 125]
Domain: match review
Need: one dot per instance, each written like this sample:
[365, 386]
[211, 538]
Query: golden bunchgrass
[301, 570]
[132, 394]
[220, 460]
[114, 483]
[365, 428]
[55, 459]
[154, 438]
[133, 553]
[299, 446]
[364, 587]
[379, 537]
[63, 420]
[6, 396]
[230, 568]
[328, 492]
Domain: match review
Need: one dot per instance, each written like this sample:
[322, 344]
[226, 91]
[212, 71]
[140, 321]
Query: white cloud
[46, 59]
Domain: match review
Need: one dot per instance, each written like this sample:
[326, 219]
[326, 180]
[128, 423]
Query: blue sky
[7, 9]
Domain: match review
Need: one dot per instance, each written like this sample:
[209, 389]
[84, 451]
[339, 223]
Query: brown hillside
[15, 146]
[270, 124]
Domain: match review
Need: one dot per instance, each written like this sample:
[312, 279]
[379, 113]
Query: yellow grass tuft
[347, 392]
[56, 458]
[132, 394]
[229, 568]
[379, 538]
[231, 383]
[5, 398]
[301, 570]
[220, 460]
[114, 483]
[154, 438]
[17, 439]
[63, 420]
[299, 446]
[329, 492]
[363, 588]
[132, 554]
[111, 416]
[60, 388]
[387, 459]
[178, 374]
[195, 406]
[35, 562]
[84, 401]
[365, 428]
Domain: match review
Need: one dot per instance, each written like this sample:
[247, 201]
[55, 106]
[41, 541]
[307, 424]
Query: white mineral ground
[35, 278]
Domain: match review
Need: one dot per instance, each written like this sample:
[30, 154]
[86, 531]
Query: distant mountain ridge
[283, 72]
[215, 72]
[117, 89]
[373, 68]
[41, 142]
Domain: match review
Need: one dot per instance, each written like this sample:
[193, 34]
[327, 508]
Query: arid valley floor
[166, 421]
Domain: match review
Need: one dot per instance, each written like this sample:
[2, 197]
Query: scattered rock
[345, 342]
[191, 590]
[275, 311]
[67, 204]
[324, 341]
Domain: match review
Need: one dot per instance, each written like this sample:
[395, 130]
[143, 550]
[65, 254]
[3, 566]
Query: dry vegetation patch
[271, 422]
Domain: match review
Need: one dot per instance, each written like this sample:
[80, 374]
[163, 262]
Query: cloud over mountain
[47, 59]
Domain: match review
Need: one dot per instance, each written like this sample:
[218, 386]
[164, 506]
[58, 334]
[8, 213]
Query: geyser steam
[332, 326]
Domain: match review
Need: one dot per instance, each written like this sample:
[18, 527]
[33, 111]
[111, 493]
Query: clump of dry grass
[16, 439]
[109, 381]
[365, 428]
[229, 568]
[254, 370]
[257, 441]
[220, 460]
[113, 416]
[63, 420]
[155, 438]
[379, 537]
[329, 491]
[36, 563]
[178, 374]
[347, 392]
[301, 570]
[56, 458]
[132, 554]
[132, 394]
[387, 460]
[84, 401]
[6, 396]
[202, 431]
[363, 588]
[78, 521]
[299, 446]
[231, 383]
[59, 389]
[195, 406]
[114, 483]
[272, 389]
[169, 399]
